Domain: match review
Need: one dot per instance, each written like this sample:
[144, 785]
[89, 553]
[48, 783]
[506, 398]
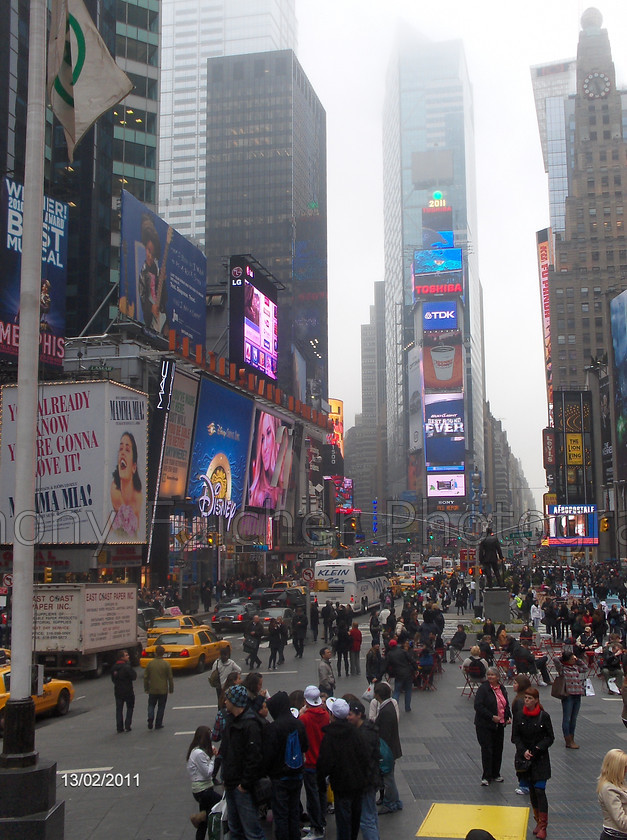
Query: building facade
[267, 196]
[193, 31]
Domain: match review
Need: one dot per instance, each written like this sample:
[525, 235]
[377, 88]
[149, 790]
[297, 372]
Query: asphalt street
[147, 793]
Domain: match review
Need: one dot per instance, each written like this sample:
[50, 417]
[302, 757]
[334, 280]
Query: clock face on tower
[596, 85]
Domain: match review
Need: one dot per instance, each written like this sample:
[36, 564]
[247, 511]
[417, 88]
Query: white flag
[83, 79]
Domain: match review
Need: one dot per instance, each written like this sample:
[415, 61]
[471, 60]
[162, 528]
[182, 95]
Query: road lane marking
[178, 708]
[84, 770]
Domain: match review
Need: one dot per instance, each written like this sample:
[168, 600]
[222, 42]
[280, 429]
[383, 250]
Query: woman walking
[612, 795]
[492, 714]
[200, 769]
[574, 672]
[533, 735]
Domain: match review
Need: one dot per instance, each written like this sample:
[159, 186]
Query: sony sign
[439, 316]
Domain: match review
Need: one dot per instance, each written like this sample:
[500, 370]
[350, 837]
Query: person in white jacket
[536, 614]
[200, 768]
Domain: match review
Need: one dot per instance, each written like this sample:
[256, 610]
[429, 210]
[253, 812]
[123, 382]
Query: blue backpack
[293, 752]
[386, 762]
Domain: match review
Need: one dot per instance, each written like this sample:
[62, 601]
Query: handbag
[558, 689]
[262, 791]
[214, 678]
[590, 692]
[250, 645]
[368, 693]
[522, 764]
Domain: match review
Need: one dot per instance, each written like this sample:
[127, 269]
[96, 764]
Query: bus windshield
[357, 582]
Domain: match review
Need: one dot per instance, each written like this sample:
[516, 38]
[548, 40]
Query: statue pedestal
[496, 605]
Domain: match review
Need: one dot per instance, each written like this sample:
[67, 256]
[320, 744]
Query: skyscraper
[267, 196]
[428, 159]
[193, 31]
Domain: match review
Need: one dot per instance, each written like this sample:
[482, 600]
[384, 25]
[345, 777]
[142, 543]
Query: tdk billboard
[439, 316]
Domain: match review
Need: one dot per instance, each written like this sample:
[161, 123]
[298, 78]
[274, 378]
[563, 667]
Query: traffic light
[604, 524]
[430, 534]
[48, 574]
[210, 539]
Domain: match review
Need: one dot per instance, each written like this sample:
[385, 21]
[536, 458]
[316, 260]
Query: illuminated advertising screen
[178, 439]
[442, 362]
[435, 285]
[91, 464]
[437, 261]
[336, 415]
[270, 462]
[543, 241]
[444, 433]
[574, 525]
[219, 460]
[162, 275]
[414, 387]
[254, 337]
[618, 318]
[343, 493]
[439, 316]
[446, 485]
[437, 227]
[53, 275]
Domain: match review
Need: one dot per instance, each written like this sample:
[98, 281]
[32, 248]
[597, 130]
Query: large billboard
[437, 261]
[270, 461]
[573, 525]
[445, 441]
[217, 472]
[253, 321]
[53, 275]
[162, 275]
[440, 315]
[91, 464]
[178, 439]
[543, 239]
[414, 389]
[446, 485]
[618, 317]
[336, 415]
[443, 362]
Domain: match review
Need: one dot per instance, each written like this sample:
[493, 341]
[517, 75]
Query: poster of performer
[162, 275]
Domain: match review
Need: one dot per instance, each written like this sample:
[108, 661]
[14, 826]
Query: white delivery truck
[81, 626]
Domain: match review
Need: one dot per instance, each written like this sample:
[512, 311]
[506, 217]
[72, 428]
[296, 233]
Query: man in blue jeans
[369, 822]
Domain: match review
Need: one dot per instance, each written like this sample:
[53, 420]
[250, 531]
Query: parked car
[174, 622]
[55, 697]
[186, 650]
[275, 612]
[232, 616]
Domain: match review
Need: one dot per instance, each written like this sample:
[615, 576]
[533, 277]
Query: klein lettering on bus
[332, 572]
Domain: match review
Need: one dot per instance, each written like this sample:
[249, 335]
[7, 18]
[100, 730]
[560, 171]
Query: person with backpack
[123, 675]
[284, 744]
[474, 666]
[390, 746]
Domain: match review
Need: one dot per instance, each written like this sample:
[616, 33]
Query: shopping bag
[589, 688]
[613, 688]
[368, 693]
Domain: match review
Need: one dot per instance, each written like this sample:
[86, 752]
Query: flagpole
[19, 729]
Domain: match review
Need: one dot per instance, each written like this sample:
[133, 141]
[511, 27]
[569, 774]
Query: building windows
[585, 307]
[561, 339]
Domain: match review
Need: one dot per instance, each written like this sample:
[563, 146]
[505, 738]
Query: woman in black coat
[492, 714]
[533, 735]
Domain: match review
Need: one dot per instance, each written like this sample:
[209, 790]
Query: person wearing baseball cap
[243, 764]
[315, 717]
[343, 758]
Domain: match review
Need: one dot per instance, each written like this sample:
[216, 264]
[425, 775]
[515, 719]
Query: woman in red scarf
[533, 735]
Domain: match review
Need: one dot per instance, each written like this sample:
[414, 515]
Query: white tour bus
[357, 581]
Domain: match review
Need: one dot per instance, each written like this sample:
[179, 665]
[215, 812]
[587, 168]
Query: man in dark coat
[387, 721]
[344, 760]
[370, 734]
[299, 631]
[490, 554]
[123, 675]
[401, 665]
[287, 780]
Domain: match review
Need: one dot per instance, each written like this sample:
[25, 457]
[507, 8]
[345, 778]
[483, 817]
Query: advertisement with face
[162, 275]
[53, 275]
[446, 485]
[91, 464]
[270, 461]
[442, 362]
[219, 460]
[445, 441]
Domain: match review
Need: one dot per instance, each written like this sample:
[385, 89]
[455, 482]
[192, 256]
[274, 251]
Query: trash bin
[478, 611]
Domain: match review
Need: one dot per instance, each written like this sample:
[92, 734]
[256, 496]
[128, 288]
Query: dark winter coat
[535, 733]
[486, 706]
[123, 676]
[242, 750]
[343, 758]
[275, 736]
[399, 663]
[387, 721]
[369, 733]
[299, 626]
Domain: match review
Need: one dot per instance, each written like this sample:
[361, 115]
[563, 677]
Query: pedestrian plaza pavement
[441, 763]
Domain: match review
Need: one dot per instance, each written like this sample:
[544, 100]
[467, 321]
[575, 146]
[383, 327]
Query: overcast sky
[344, 47]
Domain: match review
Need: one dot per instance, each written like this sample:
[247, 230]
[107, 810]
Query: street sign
[4, 590]
[304, 555]
[7, 580]
[308, 575]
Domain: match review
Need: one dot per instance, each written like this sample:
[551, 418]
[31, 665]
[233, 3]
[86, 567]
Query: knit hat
[238, 696]
[312, 696]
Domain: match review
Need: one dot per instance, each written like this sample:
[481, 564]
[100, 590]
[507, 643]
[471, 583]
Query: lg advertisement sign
[439, 316]
[254, 338]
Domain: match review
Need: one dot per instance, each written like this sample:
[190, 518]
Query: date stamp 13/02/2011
[97, 778]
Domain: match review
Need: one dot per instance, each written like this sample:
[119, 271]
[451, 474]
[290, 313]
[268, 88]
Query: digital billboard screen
[254, 336]
[442, 362]
[219, 459]
[445, 440]
[162, 275]
[53, 275]
[574, 525]
[618, 319]
[270, 462]
[439, 315]
[441, 485]
[343, 494]
[434, 285]
[437, 261]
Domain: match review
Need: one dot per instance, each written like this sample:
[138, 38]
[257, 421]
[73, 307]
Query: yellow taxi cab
[408, 582]
[186, 649]
[395, 586]
[55, 697]
[165, 623]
